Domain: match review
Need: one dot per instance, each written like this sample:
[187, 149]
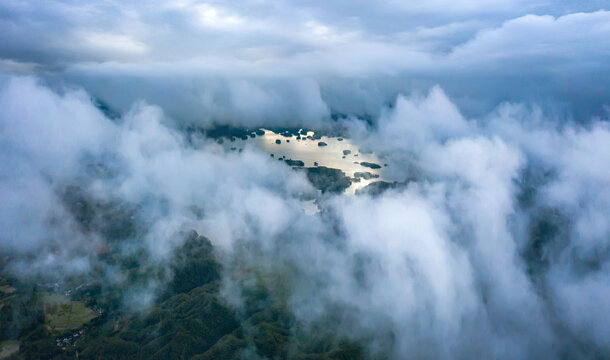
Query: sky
[493, 115]
[298, 52]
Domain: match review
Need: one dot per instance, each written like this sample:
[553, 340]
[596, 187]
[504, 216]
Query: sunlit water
[307, 150]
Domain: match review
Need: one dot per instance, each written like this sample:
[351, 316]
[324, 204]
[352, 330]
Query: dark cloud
[181, 54]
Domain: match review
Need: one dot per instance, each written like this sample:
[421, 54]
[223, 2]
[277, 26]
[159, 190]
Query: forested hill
[188, 319]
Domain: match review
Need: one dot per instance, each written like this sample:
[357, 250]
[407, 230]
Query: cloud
[459, 7]
[470, 177]
[104, 42]
[552, 52]
[41, 145]
[428, 269]
[527, 43]
[51, 145]
[490, 115]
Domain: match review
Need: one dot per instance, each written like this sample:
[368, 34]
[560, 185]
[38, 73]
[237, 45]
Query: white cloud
[437, 263]
[459, 6]
[570, 42]
[117, 43]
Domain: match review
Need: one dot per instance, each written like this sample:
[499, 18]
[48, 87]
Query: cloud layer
[195, 59]
[448, 265]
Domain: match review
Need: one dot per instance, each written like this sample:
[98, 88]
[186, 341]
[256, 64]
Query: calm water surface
[307, 150]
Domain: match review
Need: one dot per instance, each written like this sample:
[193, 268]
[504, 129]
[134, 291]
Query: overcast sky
[481, 52]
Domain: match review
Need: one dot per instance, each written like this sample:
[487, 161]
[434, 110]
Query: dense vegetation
[188, 318]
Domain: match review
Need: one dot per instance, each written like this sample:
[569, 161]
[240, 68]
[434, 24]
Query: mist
[488, 240]
[440, 262]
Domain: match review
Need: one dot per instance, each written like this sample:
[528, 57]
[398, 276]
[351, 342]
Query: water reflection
[332, 152]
